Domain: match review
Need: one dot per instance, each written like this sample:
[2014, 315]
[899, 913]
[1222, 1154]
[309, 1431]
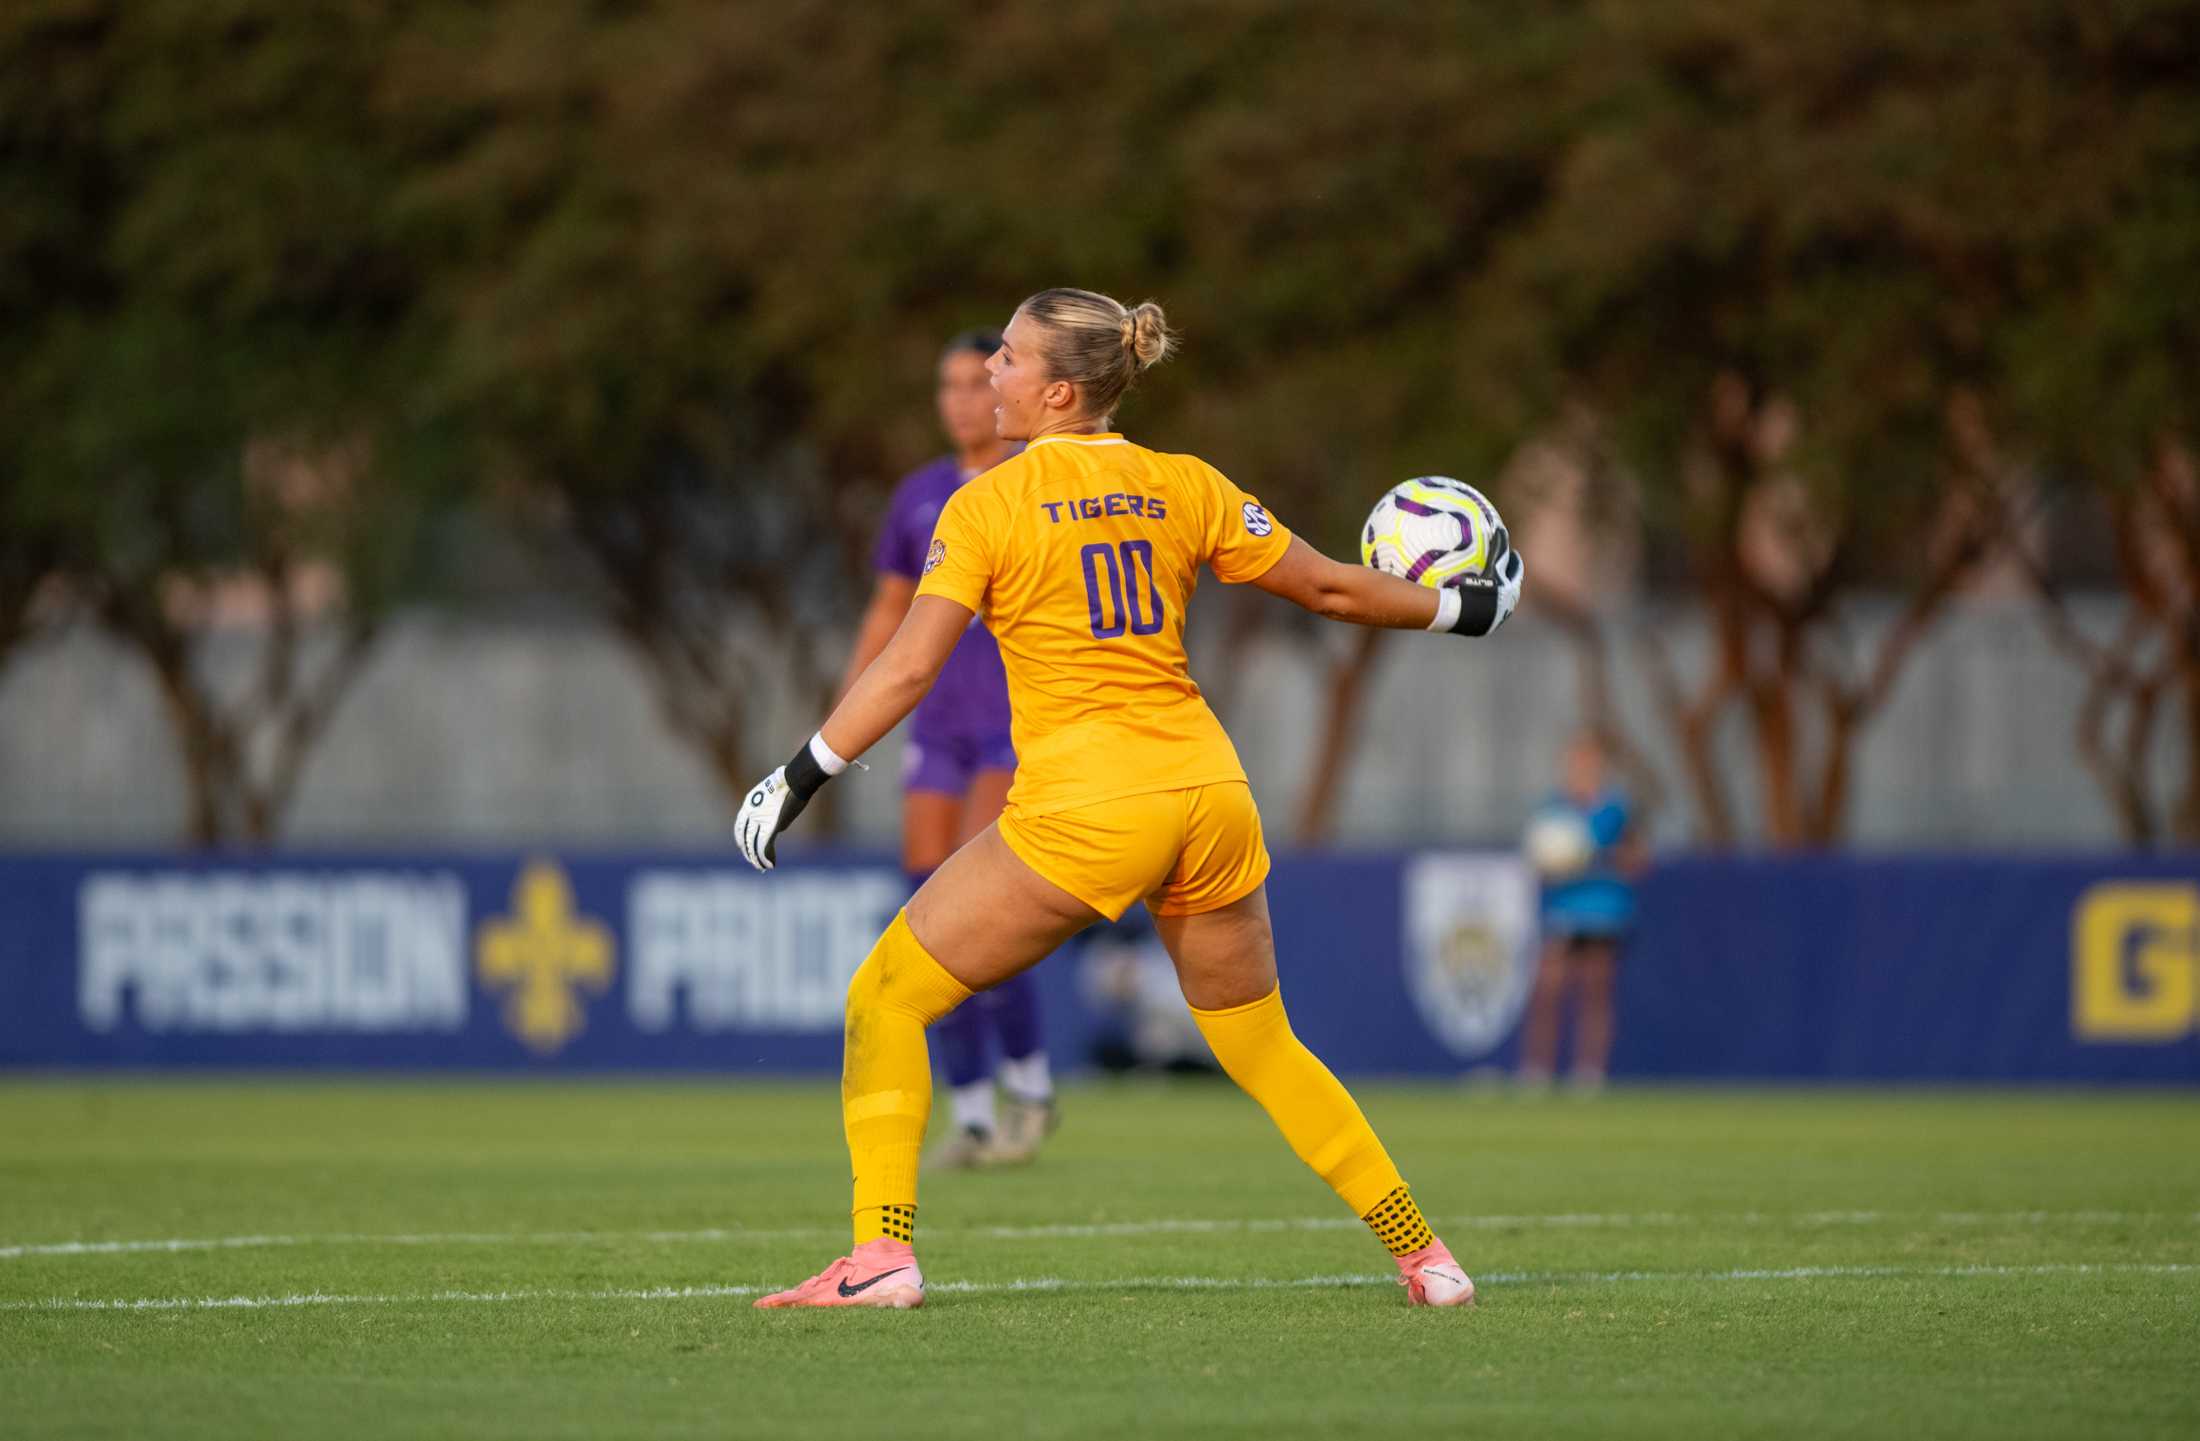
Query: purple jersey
[970, 698]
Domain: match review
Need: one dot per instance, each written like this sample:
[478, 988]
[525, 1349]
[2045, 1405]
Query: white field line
[1089, 1230]
[379, 1238]
[1053, 1283]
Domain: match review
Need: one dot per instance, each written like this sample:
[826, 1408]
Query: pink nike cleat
[878, 1273]
[1432, 1278]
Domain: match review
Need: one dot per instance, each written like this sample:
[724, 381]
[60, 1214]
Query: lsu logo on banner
[1470, 947]
[541, 956]
[2135, 962]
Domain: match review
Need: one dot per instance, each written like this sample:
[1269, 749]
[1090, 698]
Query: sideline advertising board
[1952, 969]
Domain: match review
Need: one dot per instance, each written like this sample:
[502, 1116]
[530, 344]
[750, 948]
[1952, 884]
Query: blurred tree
[727, 584]
[613, 206]
[697, 261]
[204, 369]
[1330, 253]
[2089, 228]
[33, 571]
[1578, 511]
[2152, 663]
[47, 185]
[672, 276]
[285, 563]
[1770, 261]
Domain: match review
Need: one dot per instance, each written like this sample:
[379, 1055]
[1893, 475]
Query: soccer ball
[1559, 845]
[1433, 530]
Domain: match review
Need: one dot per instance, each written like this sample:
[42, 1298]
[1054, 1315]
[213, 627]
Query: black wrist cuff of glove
[1477, 606]
[1478, 593]
[804, 774]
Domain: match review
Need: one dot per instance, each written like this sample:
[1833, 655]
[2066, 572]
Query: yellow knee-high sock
[1317, 1115]
[886, 1076]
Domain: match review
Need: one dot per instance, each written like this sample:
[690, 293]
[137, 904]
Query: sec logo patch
[1256, 519]
[934, 556]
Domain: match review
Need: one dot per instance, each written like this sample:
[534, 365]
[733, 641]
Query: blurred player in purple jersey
[958, 765]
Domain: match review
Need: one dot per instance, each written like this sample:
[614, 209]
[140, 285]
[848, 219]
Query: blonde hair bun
[1146, 334]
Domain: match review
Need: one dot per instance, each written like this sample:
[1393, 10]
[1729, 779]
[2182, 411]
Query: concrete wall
[519, 732]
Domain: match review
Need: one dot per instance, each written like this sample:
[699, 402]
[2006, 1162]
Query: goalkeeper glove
[773, 802]
[1483, 601]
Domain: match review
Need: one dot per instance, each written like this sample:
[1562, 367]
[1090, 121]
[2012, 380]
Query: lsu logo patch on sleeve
[934, 556]
[1256, 519]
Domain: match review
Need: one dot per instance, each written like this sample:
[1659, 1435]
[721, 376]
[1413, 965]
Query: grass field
[292, 1258]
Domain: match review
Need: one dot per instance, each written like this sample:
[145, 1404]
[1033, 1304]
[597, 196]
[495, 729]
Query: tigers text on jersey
[1082, 554]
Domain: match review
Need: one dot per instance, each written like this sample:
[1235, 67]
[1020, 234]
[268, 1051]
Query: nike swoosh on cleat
[848, 1290]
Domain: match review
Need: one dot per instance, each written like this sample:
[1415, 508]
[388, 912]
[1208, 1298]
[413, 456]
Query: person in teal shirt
[1583, 845]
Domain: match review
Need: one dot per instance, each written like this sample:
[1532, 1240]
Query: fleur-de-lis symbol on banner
[541, 956]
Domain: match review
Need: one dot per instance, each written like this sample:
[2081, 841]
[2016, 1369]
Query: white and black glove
[773, 802]
[1483, 601]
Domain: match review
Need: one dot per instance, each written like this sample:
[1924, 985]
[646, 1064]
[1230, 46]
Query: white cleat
[1024, 1124]
[966, 1150]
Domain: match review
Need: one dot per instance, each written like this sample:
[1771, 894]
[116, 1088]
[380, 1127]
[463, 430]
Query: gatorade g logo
[2135, 962]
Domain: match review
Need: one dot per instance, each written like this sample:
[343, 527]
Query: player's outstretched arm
[888, 690]
[1365, 596]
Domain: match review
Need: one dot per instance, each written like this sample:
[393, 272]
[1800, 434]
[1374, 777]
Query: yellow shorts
[1182, 851]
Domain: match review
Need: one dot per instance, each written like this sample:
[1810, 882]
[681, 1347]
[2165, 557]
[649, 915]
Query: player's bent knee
[900, 977]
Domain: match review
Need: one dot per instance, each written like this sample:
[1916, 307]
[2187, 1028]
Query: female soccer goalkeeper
[1082, 553]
